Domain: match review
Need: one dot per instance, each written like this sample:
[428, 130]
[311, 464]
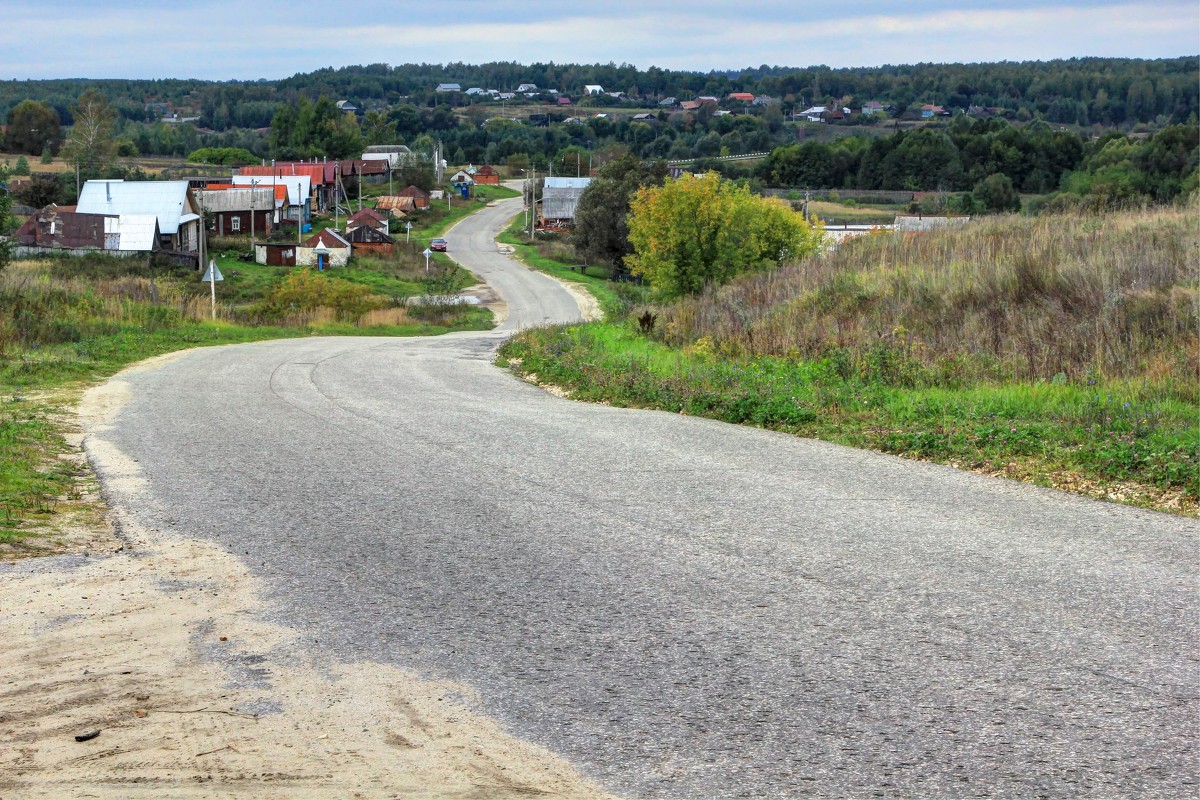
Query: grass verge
[1061, 352]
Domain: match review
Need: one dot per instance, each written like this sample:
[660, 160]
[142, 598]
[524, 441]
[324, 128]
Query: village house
[419, 196]
[170, 202]
[298, 189]
[744, 97]
[593, 89]
[487, 176]
[396, 155]
[320, 189]
[559, 198]
[367, 218]
[62, 228]
[449, 87]
[235, 211]
[399, 205]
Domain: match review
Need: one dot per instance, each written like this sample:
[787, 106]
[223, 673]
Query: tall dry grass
[1109, 296]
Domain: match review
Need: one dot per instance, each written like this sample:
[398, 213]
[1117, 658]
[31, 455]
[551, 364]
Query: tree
[90, 142]
[601, 229]
[40, 191]
[692, 232]
[32, 127]
[377, 129]
[21, 167]
[7, 223]
[996, 193]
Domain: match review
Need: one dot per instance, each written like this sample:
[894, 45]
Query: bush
[307, 290]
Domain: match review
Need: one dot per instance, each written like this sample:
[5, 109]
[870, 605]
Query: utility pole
[359, 188]
[337, 185]
[253, 187]
[532, 203]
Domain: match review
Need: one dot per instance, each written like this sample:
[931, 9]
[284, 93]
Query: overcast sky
[249, 39]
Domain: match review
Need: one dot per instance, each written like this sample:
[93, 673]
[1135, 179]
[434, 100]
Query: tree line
[1111, 92]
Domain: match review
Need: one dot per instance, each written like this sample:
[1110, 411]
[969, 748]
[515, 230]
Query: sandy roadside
[155, 640]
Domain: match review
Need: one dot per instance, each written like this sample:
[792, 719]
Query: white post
[427, 253]
[212, 287]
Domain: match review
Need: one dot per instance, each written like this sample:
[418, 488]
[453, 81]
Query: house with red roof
[487, 175]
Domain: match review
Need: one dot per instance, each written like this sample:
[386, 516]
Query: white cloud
[225, 39]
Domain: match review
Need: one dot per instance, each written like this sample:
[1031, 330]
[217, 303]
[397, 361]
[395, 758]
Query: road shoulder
[157, 643]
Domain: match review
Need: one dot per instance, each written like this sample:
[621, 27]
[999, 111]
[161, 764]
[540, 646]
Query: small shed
[317, 245]
[418, 194]
[275, 255]
[371, 240]
[397, 205]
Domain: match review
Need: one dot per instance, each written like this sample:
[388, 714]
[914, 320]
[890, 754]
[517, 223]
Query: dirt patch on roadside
[588, 305]
[160, 647]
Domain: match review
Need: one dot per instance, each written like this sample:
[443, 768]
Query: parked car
[438, 245]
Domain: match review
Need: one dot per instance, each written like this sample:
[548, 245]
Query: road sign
[407, 230]
[212, 275]
[427, 253]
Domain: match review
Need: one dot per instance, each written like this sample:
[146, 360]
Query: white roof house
[593, 88]
[299, 187]
[169, 201]
[259, 197]
[561, 195]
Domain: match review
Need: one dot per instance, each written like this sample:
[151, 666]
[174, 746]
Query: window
[235, 223]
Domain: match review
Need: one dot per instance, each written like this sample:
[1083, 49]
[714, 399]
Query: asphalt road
[681, 607]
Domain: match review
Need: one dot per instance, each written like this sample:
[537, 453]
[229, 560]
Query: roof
[280, 189]
[239, 198]
[910, 222]
[567, 183]
[486, 169]
[328, 238]
[167, 200]
[388, 148]
[414, 191]
[299, 187]
[369, 235]
[55, 226]
[367, 215]
[138, 232]
[747, 96]
[396, 203]
[315, 172]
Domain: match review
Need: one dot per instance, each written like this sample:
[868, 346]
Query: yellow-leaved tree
[694, 231]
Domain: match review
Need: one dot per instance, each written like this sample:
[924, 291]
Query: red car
[438, 245]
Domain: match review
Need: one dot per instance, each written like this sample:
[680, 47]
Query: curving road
[682, 608]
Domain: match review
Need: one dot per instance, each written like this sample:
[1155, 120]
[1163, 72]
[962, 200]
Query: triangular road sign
[208, 273]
